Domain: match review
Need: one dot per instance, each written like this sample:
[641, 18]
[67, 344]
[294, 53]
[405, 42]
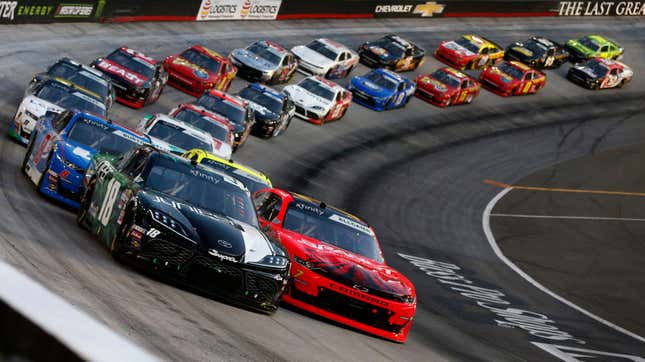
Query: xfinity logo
[225, 244]
[222, 257]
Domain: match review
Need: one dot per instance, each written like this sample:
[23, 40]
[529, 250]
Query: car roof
[84, 67]
[138, 55]
[213, 54]
[193, 131]
[390, 74]
[325, 82]
[266, 89]
[455, 72]
[249, 170]
[240, 102]
[333, 44]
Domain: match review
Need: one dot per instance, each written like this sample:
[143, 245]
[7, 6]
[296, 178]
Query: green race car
[593, 46]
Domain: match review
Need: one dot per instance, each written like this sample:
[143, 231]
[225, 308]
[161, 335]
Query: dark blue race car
[273, 110]
[381, 89]
[62, 146]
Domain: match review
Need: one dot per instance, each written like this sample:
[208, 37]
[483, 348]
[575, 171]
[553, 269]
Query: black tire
[86, 200]
[349, 70]
[30, 148]
[281, 129]
[622, 83]
[469, 98]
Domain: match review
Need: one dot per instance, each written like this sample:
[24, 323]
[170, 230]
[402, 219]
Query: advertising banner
[35, 11]
[238, 10]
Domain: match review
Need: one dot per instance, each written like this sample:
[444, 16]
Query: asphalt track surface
[415, 174]
[588, 246]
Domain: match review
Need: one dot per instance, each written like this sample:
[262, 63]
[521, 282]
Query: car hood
[429, 83]
[382, 53]
[585, 71]
[222, 149]
[306, 99]
[39, 106]
[122, 72]
[350, 269]
[253, 60]
[522, 53]
[312, 56]
[495, 75]
[188, 69]
[369, 87]
[453, 47]
[261, 112]
[212, 233]
[78, 154]
[165, 146]
[578, 48]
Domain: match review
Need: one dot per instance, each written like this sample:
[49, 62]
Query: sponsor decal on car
[238, 10]
[74, 11]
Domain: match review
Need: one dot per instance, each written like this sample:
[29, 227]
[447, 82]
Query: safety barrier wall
[35, 11]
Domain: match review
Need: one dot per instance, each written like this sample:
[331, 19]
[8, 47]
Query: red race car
[337, 270]
[447, 87]
[469, 52]
[219, 127]
[512, 79]
[198, 69]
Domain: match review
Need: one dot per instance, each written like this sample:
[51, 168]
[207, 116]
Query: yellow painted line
[555, 189]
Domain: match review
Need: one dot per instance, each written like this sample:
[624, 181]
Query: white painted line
[91, 340]
[566, 217]
[510, 264]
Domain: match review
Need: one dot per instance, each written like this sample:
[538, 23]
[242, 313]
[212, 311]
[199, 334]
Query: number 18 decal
[108, 201]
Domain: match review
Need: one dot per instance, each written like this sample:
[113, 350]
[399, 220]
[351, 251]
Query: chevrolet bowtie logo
[428, 9]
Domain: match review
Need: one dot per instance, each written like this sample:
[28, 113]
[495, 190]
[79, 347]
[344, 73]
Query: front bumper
[436, 98]
[311, 116]
[185, 265]
[496, 88]
[22, 126]
[366, 100]
[581, 80]
[186, 85]
[128, 97]
[63, 183]
[319, 295]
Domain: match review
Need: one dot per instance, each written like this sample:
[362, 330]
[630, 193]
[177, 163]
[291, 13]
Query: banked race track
[416, 174]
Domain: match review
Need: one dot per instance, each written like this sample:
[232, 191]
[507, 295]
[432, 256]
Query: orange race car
[512, 79]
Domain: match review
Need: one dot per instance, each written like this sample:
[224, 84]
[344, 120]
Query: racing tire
[622, 83]
[470, 65]
[283, 128]
[86, 201]
[469, 99]
[30, 148]
[448, 102]
[349, 71]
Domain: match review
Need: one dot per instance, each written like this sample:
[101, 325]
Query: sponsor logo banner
[601, 8]
[238, 10]
[74, 11]
[415, 9]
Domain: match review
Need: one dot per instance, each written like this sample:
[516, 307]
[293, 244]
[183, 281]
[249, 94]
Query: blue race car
[381, 89]
[62, 146]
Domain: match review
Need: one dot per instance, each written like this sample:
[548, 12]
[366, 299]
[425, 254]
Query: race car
[469, 52]
[447, 87]
[264, 61]
[391, 52]
[273, 110]
[600, 73]
[337, 267]
[593, 46]
[537, 52]
[512, 78]
[217, 126]
[254, 180]
[325, 58]
[199, 69]
[235, 109]
[138, 79]
[81, 76]
[381, 89]
[62, 146]
[194, 225]
[319, 100]
[172, 135]
[50, 95]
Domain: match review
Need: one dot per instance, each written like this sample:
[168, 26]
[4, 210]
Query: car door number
[108, 201]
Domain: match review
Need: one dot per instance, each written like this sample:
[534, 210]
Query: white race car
[319, 100]
[172, 135]
[326, 58]
[51, 95]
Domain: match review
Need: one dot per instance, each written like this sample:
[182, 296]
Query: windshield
[323, 49]
[214, 128]
[264, 52]
[446, 78]
[201, 60]
[81, 78]
[317, 88]
[267, 101]
[597, 68]
[101, 137]
[467, 44]
[393, 48]
[223, 107]
[65, 97]
[176, 136]
[133, 63]
[333, 229]
[251, 182]
[510, 70]
[380, 80]
[201, 188]
[588, 43]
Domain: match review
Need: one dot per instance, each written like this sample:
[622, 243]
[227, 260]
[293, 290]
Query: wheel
[448, 102]
[328, 74]
[86, 201]
[469, 99]
[116, 248]
[283, 127]
[470, 65]
[30, 148]
[349, 70]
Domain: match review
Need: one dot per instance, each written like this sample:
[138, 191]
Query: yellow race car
[254, 180]
[469, 52]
